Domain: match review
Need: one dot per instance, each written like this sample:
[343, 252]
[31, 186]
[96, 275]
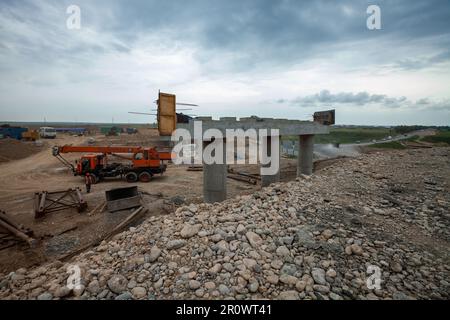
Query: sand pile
[11, 149]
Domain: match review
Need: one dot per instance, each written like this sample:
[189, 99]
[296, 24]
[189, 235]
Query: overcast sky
[268, 58]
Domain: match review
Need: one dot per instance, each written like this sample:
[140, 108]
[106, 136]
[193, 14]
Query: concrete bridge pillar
[305, 155]
[214, 179]
[267, 149]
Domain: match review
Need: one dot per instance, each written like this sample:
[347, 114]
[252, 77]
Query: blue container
[12, 132]
[71, 130]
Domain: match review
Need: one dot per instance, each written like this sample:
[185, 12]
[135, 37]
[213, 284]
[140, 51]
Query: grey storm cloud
[254, 33]
[277, 32]
[423, 62]
[247, 50]
[236, 23]
[427, 104]
[360, 99]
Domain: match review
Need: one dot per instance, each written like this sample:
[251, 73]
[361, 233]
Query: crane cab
[146, 158]
[90, 163]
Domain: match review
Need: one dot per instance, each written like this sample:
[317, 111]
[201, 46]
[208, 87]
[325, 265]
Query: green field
[440, 137]
[368, 134]
[388, 145]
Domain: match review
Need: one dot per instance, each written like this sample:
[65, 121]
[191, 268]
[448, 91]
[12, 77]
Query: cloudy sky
[269, 58]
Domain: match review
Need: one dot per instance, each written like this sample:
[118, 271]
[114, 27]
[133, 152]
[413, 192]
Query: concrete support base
[267, 149]
[214, 181]
[215, 176]
[164, 142]
[305, 157]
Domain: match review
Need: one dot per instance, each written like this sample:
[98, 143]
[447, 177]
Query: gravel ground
[380, 216]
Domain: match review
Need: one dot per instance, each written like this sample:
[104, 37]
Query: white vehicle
[47, 132]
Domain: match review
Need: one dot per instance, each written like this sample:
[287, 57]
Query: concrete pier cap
[268, 129]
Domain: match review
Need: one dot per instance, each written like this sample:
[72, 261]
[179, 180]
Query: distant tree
[406, 129]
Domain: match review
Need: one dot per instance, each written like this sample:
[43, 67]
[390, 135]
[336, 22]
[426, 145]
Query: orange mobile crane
[144, 162]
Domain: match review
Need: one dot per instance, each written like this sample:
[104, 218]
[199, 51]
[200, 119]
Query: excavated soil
[12, 149]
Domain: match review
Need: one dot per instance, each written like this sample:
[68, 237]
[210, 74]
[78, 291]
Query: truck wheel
[144, 176]
[131, 177]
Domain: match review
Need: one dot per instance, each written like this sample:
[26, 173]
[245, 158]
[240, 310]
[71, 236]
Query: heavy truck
[142, 162]
[30, 135]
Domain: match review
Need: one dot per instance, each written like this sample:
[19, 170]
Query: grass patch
[412, 139]
[388, 145]
[368, 134]
[408, 129]
[440, 137]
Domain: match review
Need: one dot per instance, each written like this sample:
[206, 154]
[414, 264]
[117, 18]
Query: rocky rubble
[313, 238]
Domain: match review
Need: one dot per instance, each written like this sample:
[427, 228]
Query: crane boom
[155, 154]
[96, 149]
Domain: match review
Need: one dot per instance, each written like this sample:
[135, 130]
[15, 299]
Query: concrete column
[305, 155]
[165, 142]
[214, 179]
[267, 149]
[195, 142]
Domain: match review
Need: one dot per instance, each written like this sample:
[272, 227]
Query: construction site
[50, 219]
[46, 187]
[224, 150]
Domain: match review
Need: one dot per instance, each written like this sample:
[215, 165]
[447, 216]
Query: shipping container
[12, 132]
[110, 130]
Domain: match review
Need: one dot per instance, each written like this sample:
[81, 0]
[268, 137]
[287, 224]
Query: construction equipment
[9, 227]
[45, 202]
[122, 198]
[47, 132]
[166, 114]
[143, 162]
[30, 135]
